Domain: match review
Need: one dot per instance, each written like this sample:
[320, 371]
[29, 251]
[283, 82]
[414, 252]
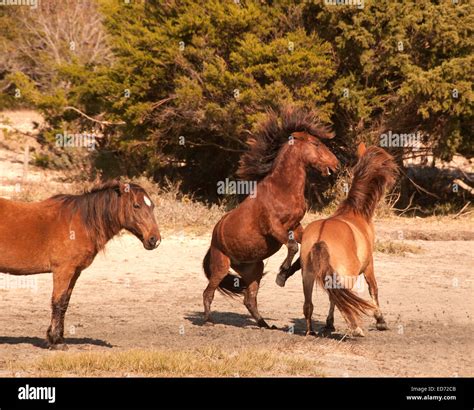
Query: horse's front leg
[294, 237]
[283, 276]
[63, 284]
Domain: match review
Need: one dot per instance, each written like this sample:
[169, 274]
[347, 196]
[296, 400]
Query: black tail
[231, 285]
[346, 300]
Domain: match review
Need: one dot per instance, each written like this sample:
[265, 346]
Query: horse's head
[315, 154]
[138, 216]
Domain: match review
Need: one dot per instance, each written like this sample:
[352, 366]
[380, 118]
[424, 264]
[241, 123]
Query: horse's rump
[334, 284]
[231, 285]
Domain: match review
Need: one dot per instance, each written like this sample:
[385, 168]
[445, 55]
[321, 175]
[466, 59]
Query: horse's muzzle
[152, 243]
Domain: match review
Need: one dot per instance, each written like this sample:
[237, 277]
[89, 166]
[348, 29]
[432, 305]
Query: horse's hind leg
[308, 285]
[330, 319]
[374, 294]
[252, 275]
[219, 265]
[63, 284]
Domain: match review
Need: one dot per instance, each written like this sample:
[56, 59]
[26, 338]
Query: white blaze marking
[147, 201]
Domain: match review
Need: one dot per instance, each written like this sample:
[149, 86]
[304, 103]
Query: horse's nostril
[153, 239]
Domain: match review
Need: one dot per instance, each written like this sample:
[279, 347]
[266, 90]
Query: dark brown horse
[335, 251]
[63, 234]
[280, 152]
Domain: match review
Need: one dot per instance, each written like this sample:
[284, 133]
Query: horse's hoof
[281, 280]
[59, 346]
[327, 330]
[261, 323]
[273, 327]
[358, 332]
[310, 333]
[208, 322]
[381, 326]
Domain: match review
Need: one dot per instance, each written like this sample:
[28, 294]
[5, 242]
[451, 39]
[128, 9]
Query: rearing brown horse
[279, 155]
[63, 234]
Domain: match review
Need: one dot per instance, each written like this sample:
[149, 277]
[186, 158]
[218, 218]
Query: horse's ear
[299, 135]
[361, 149]
[123, 188]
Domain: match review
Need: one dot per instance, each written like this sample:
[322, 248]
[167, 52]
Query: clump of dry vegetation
[176, 211]
[209, 361]
[396, 248]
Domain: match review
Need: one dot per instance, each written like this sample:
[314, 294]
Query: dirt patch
[132, 299]
[440, 236]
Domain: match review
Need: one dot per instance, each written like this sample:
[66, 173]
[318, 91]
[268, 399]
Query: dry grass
[396, 248]
[178, 212]
[38, 191]
[445, 235]
[204, 362]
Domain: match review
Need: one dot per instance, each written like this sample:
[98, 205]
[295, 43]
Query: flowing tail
[348, 303]
[231, 285]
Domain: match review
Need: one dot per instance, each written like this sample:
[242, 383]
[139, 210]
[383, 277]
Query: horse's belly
[252, 250]
[23, 252]
[21, 262]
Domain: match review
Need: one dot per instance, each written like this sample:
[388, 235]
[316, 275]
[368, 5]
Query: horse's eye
[136, 206]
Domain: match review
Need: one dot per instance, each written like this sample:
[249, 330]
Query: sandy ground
[133, 298]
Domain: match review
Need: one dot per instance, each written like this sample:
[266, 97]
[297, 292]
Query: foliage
[177, 86]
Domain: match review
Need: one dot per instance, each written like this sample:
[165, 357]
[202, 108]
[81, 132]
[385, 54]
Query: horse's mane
[375, 171]
[99, 209]
[271, 134]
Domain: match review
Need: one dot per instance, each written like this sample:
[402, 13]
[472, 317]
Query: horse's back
[347, 244]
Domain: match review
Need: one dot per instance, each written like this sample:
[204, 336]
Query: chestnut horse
[335, 251]
[279, 154]
[63, 234]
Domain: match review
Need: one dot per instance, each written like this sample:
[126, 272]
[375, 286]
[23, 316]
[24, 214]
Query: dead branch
[463, 208]
[418, 187]
[464, 186]
[93, 119]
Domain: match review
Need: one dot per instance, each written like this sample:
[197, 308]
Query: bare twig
[464, 186]
[420, 187]
[211, 144]
[161, 102]
[463, 208]
[407, 208]
[465, 175]
[93, 119]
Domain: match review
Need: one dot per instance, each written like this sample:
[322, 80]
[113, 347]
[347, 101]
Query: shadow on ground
[299, 326]
[224, 318]
[39, 342]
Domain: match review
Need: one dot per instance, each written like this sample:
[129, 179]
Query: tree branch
[93, 119]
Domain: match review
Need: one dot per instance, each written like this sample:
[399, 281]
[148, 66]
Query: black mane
[271, 134]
